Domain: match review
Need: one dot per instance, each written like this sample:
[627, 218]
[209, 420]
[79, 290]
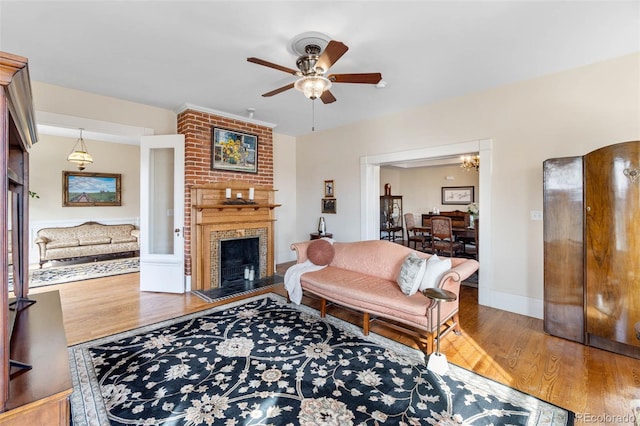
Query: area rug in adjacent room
[81, 271]
[262, 361]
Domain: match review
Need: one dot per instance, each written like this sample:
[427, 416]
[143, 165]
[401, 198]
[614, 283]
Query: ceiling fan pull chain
[313, 115]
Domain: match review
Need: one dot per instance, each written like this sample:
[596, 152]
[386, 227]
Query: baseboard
[513, 303]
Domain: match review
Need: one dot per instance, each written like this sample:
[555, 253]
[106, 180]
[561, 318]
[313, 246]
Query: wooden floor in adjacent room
[509, 348]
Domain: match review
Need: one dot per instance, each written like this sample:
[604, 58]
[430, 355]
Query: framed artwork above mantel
[234, 151]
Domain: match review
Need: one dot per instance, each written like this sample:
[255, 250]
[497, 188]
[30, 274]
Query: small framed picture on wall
[329, 189]
[329, 205]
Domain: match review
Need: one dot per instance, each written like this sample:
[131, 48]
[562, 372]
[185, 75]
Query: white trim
[212, 111]
[370, 192]
[518, 304]
[54, 124]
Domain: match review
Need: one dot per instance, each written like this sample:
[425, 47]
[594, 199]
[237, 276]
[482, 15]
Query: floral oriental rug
[261, 361]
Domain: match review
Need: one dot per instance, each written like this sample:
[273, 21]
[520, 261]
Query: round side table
[438, 361]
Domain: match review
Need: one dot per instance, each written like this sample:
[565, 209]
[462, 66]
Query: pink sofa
[362, 276]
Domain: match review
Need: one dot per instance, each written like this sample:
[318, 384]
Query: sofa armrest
[301, 250]
[41, 240]
[42, 247]
[450, 280]
[135, 233]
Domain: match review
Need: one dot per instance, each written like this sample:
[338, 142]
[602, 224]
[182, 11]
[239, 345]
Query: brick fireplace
[196, 124]
[213, 221]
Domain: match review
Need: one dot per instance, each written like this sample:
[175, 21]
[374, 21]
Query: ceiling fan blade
[331, 54]
[272, 65]
[366, 78]
[327, 97]
[279, 90]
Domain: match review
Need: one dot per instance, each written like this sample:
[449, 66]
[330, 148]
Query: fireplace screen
[236, 255]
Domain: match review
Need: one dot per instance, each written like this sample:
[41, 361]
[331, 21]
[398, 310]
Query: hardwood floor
[509, 348]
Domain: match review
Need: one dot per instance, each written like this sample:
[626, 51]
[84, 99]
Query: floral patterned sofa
[87, 239]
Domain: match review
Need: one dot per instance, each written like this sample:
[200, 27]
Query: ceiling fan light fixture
[312, 86]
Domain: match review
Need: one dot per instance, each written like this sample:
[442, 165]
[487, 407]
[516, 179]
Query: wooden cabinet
[564, 248]
[35, 382]
[391, 218]
[592, 248]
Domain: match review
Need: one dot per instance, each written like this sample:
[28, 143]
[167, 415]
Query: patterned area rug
[82, 271]
[262, 361]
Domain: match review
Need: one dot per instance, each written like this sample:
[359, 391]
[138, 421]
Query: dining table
[459, 232]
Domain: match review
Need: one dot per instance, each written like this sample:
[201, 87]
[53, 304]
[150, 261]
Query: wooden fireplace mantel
[212, 214]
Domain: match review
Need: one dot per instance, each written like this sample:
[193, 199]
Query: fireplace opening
[236, 255]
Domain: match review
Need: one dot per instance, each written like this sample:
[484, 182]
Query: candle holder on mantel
[239, 201]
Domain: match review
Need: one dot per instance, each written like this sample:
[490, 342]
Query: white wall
[284, 181]
[75, 103]
[564, 114]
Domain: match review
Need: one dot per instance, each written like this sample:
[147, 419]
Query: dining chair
[413, 236]
[443, 239]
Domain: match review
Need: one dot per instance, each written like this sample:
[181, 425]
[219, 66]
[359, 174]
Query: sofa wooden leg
[456, 329]
[430, 339]
[323, 308]
[365, 323]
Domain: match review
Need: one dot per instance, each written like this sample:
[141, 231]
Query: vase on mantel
[471, 220]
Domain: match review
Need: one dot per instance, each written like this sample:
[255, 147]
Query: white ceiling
[168, 53]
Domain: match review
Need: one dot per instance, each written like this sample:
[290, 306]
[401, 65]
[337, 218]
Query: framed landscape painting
[81, 189]
[234, 151]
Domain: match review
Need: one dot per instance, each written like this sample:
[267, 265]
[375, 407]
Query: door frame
[370, 195]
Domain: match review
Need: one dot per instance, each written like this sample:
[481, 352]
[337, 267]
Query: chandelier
[312, 86]
[470, 162]
[79, 155]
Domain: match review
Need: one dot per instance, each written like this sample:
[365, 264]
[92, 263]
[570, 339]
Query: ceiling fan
[312, 66]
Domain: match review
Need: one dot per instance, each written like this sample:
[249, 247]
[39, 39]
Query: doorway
[370, 194]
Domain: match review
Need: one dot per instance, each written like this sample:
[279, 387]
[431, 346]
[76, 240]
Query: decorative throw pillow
[320, 252]
[435, 268]
[411, 273]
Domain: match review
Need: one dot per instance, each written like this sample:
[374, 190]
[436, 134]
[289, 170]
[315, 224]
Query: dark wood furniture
[390, 216]
[443, 240]
[315, 235]
[414, 235]
[35, 382]
[459, 219]
[39, 396]
[592, 247]
[459, 233]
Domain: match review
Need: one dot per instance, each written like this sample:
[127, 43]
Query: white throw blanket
[292, 279]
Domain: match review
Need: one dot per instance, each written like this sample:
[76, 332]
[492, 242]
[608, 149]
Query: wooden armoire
[592, 248]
